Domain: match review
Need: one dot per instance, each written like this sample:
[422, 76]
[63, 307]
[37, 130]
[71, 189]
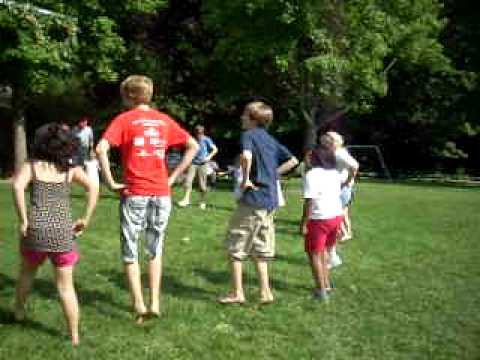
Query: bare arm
[80, 177]
[20, 182]
[307, 205]
[102, 152]
[246, 166]
[352, 172]
[287, 166]
[191, 149]
[212, 153]
[91, 188]
[347, 161]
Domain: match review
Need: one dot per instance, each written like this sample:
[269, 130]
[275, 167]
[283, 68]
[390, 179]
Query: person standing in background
[85, 156]
[200, 167]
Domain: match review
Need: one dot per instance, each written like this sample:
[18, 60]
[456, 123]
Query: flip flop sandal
[230, 300]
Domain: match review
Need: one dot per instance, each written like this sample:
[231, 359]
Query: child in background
[251, 230]
[348, 168]
[322, 216]
[48, 229]
[199, 168]
[85, 153]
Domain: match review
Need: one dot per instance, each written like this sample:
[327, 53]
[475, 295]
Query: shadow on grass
[6, 282]
[170, 285]
[292, 260]
[178, 289]
[222, 207]
[213, 277]
[48, 290]
[6, 318]
[294, 223]
[223, 277]
[287, 226]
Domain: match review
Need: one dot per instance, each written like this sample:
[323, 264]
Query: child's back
[251, 231]
[323, 186]
[46, 228]
[50, 225]
[267, 155]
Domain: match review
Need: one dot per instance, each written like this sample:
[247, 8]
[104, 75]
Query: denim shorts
[138, 213]
[346, 196]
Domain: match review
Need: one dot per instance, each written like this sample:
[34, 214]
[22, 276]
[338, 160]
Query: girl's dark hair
[55, 143]
[323, 157]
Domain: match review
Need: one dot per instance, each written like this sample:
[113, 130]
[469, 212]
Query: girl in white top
[322, 216]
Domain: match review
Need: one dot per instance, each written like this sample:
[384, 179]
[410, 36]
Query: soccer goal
[372, 162]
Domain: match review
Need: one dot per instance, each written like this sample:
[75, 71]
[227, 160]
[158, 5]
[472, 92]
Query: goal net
[372, 162]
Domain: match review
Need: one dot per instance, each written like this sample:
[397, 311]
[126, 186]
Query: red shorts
[321, 233]
[59, 259]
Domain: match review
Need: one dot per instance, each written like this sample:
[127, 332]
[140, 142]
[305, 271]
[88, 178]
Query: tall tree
[34, 42]
[331, 55]
[45, 39]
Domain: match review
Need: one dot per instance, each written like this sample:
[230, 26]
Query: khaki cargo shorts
[201, 172]
[251, 232]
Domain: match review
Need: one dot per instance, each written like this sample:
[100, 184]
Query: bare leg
[68, 300]
[188, 185]
[203, 199]
[132, 271]
[24, 285]
[324, 269]
[186, 198]
[317, 270]
[345, 227]
[347, 223]
[236, 295]
[266, 295]
[203, 186]
[155, 279]
[203, 196]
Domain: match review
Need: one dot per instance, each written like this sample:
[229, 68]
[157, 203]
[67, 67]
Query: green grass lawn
[408, 289]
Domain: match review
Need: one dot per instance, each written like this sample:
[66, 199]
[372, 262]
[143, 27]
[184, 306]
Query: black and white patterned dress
[50, 226]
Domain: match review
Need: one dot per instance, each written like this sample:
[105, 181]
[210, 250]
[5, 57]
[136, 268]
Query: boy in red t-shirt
[143, 136]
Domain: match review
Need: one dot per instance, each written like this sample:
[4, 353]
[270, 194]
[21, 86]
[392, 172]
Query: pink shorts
[322, 233]
[59, 259]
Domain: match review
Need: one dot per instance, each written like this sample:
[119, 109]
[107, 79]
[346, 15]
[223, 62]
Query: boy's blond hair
[259, 112]
[137, 89]
[337, 138]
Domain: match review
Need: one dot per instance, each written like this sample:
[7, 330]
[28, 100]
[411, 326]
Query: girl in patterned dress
[47, 229]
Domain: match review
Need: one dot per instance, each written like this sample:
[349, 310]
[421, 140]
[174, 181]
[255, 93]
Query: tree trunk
[19, 139]
[309, 116]
[320, 116]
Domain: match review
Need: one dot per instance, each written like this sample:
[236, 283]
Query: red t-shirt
[144, 137]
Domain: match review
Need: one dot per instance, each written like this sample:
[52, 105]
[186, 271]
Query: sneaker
[346, 238]
[321, 295]
[203, 206]
[183, 203]
[334, 260]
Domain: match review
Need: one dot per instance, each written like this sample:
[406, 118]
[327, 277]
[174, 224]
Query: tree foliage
[336, 50]
[386, 65]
